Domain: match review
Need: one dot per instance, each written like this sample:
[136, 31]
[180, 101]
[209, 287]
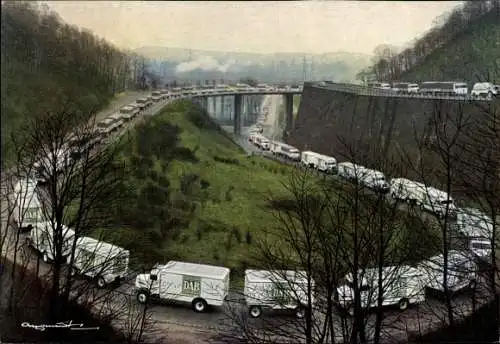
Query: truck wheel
[101, 283]
[45, 257]
[403, 304]
[199, 305]
[255, 311]
[142, 296]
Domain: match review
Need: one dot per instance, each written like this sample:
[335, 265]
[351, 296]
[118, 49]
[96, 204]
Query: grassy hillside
[194, 194]
[473, 55]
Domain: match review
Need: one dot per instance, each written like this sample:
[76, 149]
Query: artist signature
[63, 324]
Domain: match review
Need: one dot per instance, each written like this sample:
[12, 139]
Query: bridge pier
[204, 103]
[237, 114]
[214, 106]
[288, 102]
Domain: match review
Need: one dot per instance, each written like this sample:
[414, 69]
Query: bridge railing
[370, 91]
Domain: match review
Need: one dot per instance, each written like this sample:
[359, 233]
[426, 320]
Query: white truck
[462, 271]
[483, 90]
[476, 228]
[276, 290]
[41, 238]
[156, 96]
[27, 211]
[318, 161]
[108, 126]
[100, 260]
[200, 285]
[374, 180]
[404, 189]
[437, 202]
[128, 112]
[401, 285]
[427, 197]
[446, 88]
[350, 171]
[261, 142]
[283, 150]
[405, 88]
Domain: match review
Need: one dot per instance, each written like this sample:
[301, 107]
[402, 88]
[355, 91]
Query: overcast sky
[264, 27]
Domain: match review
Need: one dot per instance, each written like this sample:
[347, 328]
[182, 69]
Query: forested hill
[45, 62]
[466, 46]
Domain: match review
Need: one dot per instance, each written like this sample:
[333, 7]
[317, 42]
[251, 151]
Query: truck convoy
[480, 90]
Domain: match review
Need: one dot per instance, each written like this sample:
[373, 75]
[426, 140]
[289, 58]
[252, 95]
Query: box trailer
[99, 260]
[27, 211]
[199, 285]
[41, 238]
[350, 171]
[283, 290]
[374, 180]
[401, 286]
[462, 271]
[318, 161]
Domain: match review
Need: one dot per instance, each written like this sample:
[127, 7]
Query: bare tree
[80, 178]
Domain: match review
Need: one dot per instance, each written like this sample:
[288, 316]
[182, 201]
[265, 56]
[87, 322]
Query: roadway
[192, 327]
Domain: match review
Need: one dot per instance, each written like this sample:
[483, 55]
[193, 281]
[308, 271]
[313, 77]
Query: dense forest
[465, 46]
[47, 62]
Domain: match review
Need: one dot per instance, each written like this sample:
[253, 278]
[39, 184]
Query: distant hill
[472, 56]
[465, 47]
[181, 55]
[202, 64]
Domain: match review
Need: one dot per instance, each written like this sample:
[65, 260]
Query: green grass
[220, 216]
[231, 213]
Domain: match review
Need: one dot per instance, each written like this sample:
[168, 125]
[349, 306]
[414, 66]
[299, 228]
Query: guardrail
[370, 91]
[232, 93]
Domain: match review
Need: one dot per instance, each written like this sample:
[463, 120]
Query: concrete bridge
[237, 97]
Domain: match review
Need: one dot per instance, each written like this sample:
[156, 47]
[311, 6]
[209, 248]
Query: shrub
[228, 161]
[236, 234]
[248, 238]
[229, 197]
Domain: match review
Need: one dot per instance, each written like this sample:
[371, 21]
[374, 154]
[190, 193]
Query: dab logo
[191, 286]
[280, 293]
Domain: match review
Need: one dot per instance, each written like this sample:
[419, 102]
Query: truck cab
[477, 229]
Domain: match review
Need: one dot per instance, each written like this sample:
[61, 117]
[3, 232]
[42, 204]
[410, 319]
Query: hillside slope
[194, 194]
[47, 63]
[473, 55]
